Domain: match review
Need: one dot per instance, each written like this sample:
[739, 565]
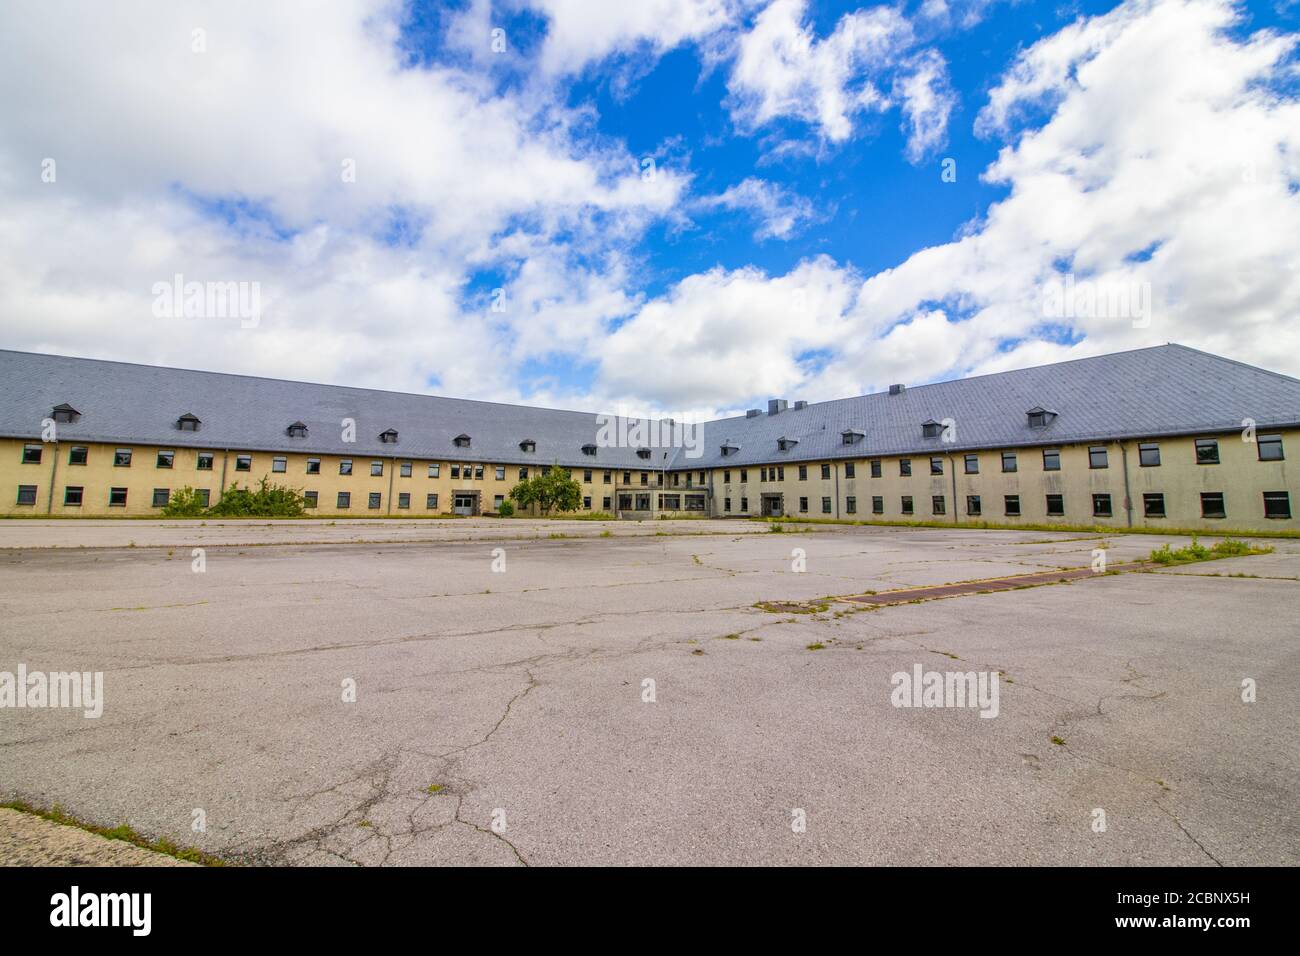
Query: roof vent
[528, 445]
[461, 441]
[800, 405]
[785, 444]
[64, 414]
[188, 422]
[851, 436]
[729, 449]
[297, 430]
[753, 413]
[389, 436]
[931, 428]
[643, 452]
[589, 450]
[1040, 417]
[775, 406]
[897, 389]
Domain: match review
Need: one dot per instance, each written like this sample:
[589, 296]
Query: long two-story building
[1158, 437]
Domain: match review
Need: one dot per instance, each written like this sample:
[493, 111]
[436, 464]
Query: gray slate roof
[1147, 393]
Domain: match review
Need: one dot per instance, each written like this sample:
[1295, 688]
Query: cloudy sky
[663, 205]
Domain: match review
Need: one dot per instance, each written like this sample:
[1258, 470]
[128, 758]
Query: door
[463, 504]
[771, 506]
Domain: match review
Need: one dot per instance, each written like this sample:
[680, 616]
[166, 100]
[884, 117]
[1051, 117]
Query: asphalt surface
[499, 715]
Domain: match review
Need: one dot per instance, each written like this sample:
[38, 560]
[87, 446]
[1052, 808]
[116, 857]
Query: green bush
[506, 510]
[184, 503]
[266, 501]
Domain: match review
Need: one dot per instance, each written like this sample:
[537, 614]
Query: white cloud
[927, 101]
[780, 213]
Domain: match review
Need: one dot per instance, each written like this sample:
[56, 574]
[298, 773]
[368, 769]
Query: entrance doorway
[772, 506]
[465, 503]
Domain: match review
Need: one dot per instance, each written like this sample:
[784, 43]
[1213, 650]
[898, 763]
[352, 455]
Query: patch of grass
[607, 533]
[698, 652]
[1058, 741]
[793, 607]
[816, 646]
[121, 832]
[731, 637]
[1227, 548]
[435, 788]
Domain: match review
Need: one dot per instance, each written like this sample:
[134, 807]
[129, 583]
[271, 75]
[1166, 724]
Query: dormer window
[1040, 417]
[188, 423]
[64, 414]
[461, 441]
[729, 449]
[643, 452]
[528, 445]
[589, 450]
[388, 437]
[297, 430]
[785, 444]
[849, 436]
[931, 429]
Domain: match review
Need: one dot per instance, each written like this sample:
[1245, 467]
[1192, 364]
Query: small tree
[552, 489]
[266, 501]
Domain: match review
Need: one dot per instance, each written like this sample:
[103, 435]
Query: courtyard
[515, 692]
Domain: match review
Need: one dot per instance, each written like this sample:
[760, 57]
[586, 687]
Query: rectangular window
[478, 472]
[645, 478]
[907, 504]
[877, 505]
[586, 475]
[850, 505]
[78, 455]
[404, 499]
[203, 461]
[435, 469]
[1051, 459]
[826, 472]
[780, 472]
[803, 504]
[1011, 505]
[973, 506]
[972, 464]
[345, 466]
[608, 477]
[122, 458]
[604, 503]
[73, 494]
[936, 466]
[244, 463]
[499, 500]
[803, 472]
[1008, 461]
[431, 502]
[500, 473]
[344, 500]
[27, 494]
[376, 499]
[726, 476]
[31, 454]
[744, 504]
[204, 496]
[166, 459]
[1207, 451]
[404, 470]
[1097, 457]
[455, 471]
[1149, 454]
[826, 506]
[1055, 506]
[376, 469]
[726, 504]
[876, 467]
[523, 473]
[313, 466]
[937, 505]
[1101, 507]
[695, 502]
[849, 470]
[1212, 505]
[279, 465]
[161, 497]
[904, 466]
[1277, 504]
[117, 497]
[1270, 447]
[310, 499]
[586, 503]
[669, 503]
[1153, 505]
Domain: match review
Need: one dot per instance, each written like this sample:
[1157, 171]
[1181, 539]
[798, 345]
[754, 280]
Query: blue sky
[498, 238]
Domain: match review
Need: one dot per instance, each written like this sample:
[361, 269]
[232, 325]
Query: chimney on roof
[800, 404]
[753, 413]
[897, 389]
[775, 406]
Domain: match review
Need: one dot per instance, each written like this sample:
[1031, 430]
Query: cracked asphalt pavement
[499, 716]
